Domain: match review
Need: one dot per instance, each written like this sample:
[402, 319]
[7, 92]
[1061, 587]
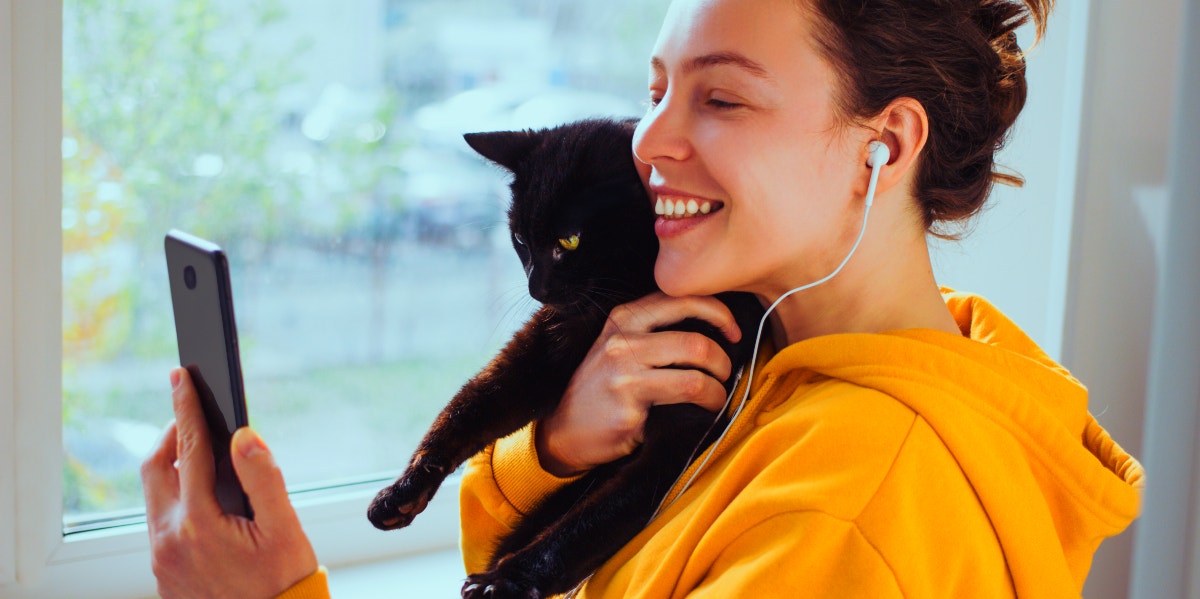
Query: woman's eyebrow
[714, 59]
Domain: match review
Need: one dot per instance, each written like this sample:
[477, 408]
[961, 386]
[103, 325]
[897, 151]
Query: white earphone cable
[879, 157]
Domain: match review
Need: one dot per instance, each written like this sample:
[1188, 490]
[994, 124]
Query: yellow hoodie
[912, 463]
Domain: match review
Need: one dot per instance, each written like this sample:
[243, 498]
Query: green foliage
[175, 117]
[168, 118]
[186, 119]
[177, 114]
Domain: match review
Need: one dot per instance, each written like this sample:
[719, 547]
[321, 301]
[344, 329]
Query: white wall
[1132, 56]
[1167, 547]
[8, 446]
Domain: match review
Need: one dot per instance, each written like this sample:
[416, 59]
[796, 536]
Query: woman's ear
[904, 127]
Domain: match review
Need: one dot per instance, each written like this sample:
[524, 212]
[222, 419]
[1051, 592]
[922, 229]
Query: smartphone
[208, 347]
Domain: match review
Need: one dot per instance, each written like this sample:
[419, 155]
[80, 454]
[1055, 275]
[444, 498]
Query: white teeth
[681, 207]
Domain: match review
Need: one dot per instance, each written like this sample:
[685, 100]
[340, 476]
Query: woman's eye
[653, 101]
[722, 104]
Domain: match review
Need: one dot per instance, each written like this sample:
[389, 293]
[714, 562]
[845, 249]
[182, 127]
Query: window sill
[115, 562]
[434, 574]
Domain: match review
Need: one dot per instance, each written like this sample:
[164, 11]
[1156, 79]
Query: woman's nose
[662, 134]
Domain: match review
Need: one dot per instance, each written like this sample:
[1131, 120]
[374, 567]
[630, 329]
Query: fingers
[658, 310]
[160, 480]
[193, 448]
[682, 364]
[631, 335]
[673, 386]
[632, 366]
[263, 482]
[671, 349]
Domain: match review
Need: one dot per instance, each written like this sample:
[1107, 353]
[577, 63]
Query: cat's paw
[400, 503]
[490, 585]
[388, 512]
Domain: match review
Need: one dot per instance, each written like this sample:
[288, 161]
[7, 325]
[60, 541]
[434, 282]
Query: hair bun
[998, 18]
[959, 59]
[998, 21]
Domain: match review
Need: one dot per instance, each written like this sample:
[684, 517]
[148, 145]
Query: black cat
[584, 229]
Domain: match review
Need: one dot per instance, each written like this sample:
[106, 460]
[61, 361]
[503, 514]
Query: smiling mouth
[684, 207]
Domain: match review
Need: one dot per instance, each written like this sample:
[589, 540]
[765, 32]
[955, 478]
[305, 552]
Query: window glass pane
[320, 145]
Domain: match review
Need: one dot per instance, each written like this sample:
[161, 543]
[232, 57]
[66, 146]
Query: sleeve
[500, 485]
[313, 586]
[799, 554]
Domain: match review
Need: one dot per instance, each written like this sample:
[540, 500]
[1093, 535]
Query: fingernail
[247, 442]
[175, 378]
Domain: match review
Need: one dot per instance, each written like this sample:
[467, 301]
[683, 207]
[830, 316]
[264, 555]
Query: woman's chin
[681, 281]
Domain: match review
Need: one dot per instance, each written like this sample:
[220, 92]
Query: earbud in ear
[879, 154]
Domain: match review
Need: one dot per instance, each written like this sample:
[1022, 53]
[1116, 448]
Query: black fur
[574, 180]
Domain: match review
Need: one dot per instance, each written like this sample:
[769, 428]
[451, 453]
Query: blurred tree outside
[171, 114]
[161, 127]
[232, 120]
[364, 159]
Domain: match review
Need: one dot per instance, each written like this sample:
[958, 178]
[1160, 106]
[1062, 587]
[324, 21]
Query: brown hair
[960, 60]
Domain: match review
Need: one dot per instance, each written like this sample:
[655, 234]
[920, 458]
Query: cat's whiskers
[601, 312]
[615, 296]
[514, 297]
[518, 303]
[493, 225]
[605, 300]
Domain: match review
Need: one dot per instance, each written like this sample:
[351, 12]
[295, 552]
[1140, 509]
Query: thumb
[261, 479]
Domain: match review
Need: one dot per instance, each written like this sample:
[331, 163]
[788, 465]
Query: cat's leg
[553, 507]
[524, 382]
[597, 526]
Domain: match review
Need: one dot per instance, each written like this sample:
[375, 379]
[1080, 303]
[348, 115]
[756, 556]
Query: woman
[897, 439]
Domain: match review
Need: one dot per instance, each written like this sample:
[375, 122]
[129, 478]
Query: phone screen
[208, 348]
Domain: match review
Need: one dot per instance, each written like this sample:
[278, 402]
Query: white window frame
[8, 533]
[36, 558]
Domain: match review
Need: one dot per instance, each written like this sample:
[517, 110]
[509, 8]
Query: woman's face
[742, 119]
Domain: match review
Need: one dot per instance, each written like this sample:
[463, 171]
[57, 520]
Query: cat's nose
[539, 289]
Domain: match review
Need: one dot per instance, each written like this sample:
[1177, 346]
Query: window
[320, 145]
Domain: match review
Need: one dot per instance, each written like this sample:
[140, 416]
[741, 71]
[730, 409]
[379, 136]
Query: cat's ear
[506, 148]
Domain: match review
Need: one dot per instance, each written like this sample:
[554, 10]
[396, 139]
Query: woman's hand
[629, 369]
[196, 549]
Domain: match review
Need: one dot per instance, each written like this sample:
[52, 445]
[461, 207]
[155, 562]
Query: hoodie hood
[1053, 482]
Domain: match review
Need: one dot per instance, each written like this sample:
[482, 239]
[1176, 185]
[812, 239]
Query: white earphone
[878, 157]
[879, 154]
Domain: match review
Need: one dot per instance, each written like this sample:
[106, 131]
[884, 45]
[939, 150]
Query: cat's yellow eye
[569, 243]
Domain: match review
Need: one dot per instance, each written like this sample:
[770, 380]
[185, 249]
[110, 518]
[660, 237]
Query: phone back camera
[189, 277]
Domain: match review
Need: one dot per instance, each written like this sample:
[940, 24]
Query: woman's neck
[885, 287]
